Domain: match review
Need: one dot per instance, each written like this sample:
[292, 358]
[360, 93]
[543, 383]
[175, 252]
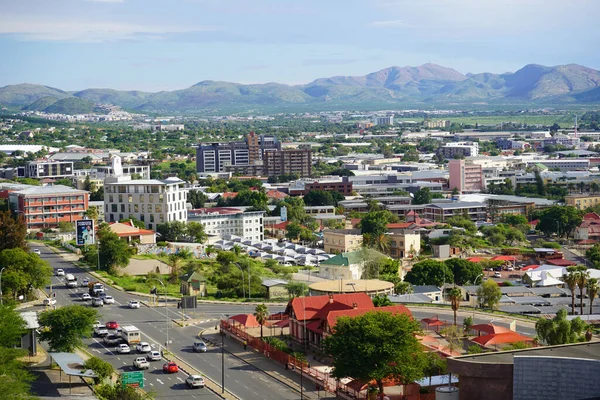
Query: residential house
[342, 240]
[432, 292]
[404, 245]
[313, 318]
[276, 288]
[589, 229]
[349, 265]
[131, 233]
[192, 284]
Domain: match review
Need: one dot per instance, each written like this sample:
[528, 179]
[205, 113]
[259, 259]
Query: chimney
[330, 299]
[354, 306]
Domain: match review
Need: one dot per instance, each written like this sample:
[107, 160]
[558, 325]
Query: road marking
[159, 381]
[178, 378]
[151, 384]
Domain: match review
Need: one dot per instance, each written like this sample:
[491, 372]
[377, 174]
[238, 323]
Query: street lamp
[475, 283]
[166, 312]
[223, 355]
[1, 271]
[243, 288]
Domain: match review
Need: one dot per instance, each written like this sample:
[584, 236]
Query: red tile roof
[561, 262]
[276, 194]
[248, 320]
[313, 307]
[281, 225]
[229, 195]
[334, 315]
[592, 216]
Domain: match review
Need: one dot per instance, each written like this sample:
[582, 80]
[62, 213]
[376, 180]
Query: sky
[155, 45]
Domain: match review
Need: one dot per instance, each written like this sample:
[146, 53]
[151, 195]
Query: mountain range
[428, 85]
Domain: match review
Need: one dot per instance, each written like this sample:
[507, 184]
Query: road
[241, 379]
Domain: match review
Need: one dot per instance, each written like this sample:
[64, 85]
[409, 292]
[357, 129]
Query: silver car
[195, 381]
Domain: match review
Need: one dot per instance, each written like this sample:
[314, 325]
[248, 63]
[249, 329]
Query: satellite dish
[116, 166]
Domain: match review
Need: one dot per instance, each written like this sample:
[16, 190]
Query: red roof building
[312, 318]
[589, 229]
[276, 195]
[229, 195]
[129, 232]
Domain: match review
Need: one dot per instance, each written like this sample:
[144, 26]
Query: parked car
[85, 282]
[134, 304]
[143, 347]
[112, 339]
[170, 368]
[123, 348]
[37, 251]
[60, 272]
[108, 300]
[497, 274]
[101, 331]
[112, 325]
[200, 347]
[86, 297]
[97, 324]
[96, 302]
[49, 301]
[195, 381]
[141, 363]
[153, 356]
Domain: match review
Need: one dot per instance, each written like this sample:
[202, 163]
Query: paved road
[241, 379]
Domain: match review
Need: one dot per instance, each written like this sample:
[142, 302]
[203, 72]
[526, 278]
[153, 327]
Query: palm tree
[367, 239]
[174, 262]
[209, 249]
[582, 278]
[262, 314]
[455, 296]
[382, 243]
[236, 249]
[594, 187]
[571, 187]
[593, 286]
[570, 279]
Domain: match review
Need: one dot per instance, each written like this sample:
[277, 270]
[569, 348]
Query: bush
[161, 244]
[102, 368]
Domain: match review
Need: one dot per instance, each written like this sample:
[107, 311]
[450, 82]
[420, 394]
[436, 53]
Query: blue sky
[172, 44]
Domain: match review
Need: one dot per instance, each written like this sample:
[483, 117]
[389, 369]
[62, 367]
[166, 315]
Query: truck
[95, 288]
[71, 281]
[131, 334]
[141, 363]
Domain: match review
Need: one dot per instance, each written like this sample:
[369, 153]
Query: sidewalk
[275, 370]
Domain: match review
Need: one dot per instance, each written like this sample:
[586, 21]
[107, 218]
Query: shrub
[161, 244]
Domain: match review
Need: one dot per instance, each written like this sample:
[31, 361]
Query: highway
[241, 379]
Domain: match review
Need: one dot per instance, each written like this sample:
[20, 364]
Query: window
[151, 199]
[113, 207]
[122, 207]
[130, 198]
[151, 217]
[143, 208]
[111, 199]
[120, 198]
[159, 208]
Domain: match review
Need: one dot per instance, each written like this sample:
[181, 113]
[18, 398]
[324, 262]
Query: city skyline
[155, 45]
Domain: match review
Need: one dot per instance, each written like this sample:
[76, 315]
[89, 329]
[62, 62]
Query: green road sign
[133, 379]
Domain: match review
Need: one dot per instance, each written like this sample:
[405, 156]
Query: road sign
[133, 379]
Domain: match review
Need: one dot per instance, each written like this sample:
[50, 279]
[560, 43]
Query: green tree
[570, 279]
[422, 196]
[467, 324]
[64, 227]
[296, 289]
[92, 213]
[464, 271]
[114, 252]
[382, 301]
[436, 365]
[12, 326]
[319, 198]
[15, 381]
[582, 278]
[376, 346]
[262, 315]
[593, 255]
[101, 368]
[292, 231]
[65, 327]
[24, 272]
[403, 288]
[429, 272]
[561, 220]
[592, 291]
[489, 294]
[559, 330]
[172, 231]
[195, 231]
[13, 231]
[197, 199]
[462, 222]
[455, 296]
[514, 219]
[539, 183]
[375, 222]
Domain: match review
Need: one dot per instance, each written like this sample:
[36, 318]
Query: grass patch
[140, 283]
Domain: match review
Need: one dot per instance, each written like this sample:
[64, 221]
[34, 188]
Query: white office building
[226, 221]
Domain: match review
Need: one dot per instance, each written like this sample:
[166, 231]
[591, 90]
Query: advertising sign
[85, 232]
[284, 213]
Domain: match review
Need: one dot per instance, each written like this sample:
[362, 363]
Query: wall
[478, 380]
[555, 378]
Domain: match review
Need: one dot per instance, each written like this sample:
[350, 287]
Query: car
[102, 295]
[49, 301]
[97, 324]
[200, 347]
[86, 297]
[510, 269]
[60, 272]
[170, 368]
[153, 356]
[37, 251]
[123, 348]
[101, 331]
[112, 339]
[112, 325]
[141, 363]
[97, 302]
[108, 300]
[85, 282]
[134, 304]
[195, 381]
[143, 347]
[497, 274]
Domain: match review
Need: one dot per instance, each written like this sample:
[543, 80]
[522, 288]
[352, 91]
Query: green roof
[353, 257]
[194, 276]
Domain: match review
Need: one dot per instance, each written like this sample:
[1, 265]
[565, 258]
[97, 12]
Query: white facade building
[226, 221]
[151, 201]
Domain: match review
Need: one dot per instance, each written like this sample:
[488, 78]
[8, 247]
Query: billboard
[284, 213]
[85, 232]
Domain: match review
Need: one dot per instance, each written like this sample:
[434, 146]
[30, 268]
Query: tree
[65, 327]
[455, 296]
[561, 220]
[195, 230]
[64, 227]
[292, 230]
[435, 365]
[462, 222]
[262, 315]
[464, 271]
[467, 324]
[422, 196]
[174, 263]
[539, 183]
[376, 346]
[319, 198]
[172, 231]
[13, 231]
[514, 219]
[403, 288]
[559, 330]
[429, 272]
[16, 379]
[12, 326]
[570, 279]
[101, 368]
[114, 252]
[97, 195]
[375, 222]
[92, 213]
[24, 272]
[296, 289]
[582, 278]
[489, 294]
[592, 291]
[381, 301]
[197, 199]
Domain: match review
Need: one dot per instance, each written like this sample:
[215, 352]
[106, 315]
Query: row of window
[141, 189]
[52, 199]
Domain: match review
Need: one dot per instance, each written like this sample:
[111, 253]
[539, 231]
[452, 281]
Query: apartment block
[444, 124]
[288, 162]
[46, 206]
[465, 176]
[404, 245]
[49, 169]
[337, 241]
[582, 201]
[442, 211]
[383, 120]
[151, 201]
[226, 221]
[344, 188]
[464, 149]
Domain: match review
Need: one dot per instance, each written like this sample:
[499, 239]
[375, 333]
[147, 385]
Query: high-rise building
[288, 162]
[464, 149]
[465, 176]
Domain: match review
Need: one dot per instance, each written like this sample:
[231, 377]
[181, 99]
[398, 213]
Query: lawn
[140, 283]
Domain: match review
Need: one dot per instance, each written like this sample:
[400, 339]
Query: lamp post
[166, 312]
[558, 229]
[1, 271]
[305, 348]
[223, 356]
[243, 288]
[475, 283]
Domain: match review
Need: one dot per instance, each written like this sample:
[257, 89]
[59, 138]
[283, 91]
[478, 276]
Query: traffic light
[54, 294]
[153, 290]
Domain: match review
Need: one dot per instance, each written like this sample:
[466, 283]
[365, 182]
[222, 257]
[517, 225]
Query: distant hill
[40, 104]
[72, 105]
[426, 85]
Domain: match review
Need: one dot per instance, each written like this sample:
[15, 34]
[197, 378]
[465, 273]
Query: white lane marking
[151, 384]
[159, 381]
[179, 379]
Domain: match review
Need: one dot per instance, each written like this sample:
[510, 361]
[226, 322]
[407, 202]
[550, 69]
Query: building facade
[226, 221]
[344, 188]
[342, 240]
[288, 162]
[405, 245]
[46, 206]
[465, 176]
[151, 201]
[49, 169]
[464, 149]
[442, 211]
[582, 201]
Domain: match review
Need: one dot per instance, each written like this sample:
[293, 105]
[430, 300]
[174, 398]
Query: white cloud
[79, 30]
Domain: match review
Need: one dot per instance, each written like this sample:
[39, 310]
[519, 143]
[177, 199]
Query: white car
[60, 272]
[143, 347]
[123, 348]
[37, 251]
[195, 381]
[153, 356]
[86, 297]
[97, 324]
[85, 282]
[134, 304]
[49, 301]
[108, 300]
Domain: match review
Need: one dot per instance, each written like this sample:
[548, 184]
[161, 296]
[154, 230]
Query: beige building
[342, 240]
[372, 287]
[127, 231]
[276, 288]
[405, 245]
[582, 201]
